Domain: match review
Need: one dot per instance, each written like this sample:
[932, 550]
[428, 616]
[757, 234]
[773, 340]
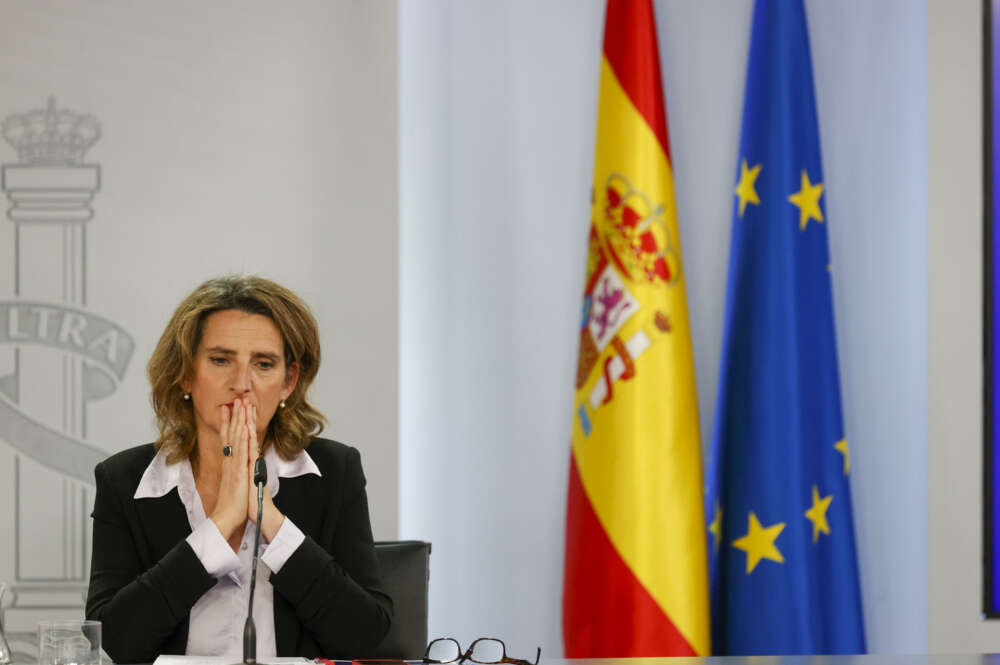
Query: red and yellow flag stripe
[636, 581]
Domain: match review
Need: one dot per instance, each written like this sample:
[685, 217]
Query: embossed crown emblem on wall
[45, 326]
[51, 135]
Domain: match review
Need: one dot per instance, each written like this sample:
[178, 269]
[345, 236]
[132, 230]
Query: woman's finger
[241, 443]
[252, 426]
[234, 424]
[224, 423]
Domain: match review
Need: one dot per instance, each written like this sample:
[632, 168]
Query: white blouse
[216, 624]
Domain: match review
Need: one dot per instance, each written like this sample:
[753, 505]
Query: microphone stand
[249, 629]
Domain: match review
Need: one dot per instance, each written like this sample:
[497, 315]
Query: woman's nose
[241, 380]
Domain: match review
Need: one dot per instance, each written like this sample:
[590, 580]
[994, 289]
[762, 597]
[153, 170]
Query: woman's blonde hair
[172, 362]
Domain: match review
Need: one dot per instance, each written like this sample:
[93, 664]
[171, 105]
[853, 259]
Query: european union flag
[782, 565]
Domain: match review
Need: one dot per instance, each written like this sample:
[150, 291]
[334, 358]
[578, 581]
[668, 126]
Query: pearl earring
[187, 397]
[282, 404]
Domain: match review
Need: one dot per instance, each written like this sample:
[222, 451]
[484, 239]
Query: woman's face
[242, 356]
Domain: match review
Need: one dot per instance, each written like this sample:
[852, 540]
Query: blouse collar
[160, 477]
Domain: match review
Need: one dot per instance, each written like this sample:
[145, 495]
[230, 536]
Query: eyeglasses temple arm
[519, 661]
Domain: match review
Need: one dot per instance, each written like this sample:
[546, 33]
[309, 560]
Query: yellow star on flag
[817, 514]
[841, 446]
[759, 543]
[715, 528]
[807, 200]
[745, 188]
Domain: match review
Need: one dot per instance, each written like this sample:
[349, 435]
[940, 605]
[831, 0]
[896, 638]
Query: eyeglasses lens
[487, 651]
[443, 651]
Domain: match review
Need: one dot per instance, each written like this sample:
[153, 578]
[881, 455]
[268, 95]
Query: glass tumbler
[69, 643]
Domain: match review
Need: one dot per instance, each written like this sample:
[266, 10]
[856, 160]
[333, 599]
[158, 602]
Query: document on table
[226, 660]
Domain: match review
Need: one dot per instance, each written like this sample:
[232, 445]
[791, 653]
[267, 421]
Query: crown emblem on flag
[636, 234]
[51, 135]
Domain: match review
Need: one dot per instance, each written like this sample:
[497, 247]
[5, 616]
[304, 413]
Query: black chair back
[405, 567]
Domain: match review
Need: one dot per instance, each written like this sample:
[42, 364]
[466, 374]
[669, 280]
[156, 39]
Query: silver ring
[227, 450]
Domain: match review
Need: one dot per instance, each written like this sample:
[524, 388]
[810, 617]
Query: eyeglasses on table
[485, 650]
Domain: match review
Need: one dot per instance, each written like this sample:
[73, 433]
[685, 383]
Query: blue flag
[782, 565]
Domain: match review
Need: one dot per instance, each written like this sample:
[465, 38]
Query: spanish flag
[636, 580]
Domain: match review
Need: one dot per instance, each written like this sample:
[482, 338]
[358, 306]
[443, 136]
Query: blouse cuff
[212, 550]
[285, 542]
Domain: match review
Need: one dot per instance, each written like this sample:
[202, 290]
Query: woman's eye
[265, 364]
[217, 360]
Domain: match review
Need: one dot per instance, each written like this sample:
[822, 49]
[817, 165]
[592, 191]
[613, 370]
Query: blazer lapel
[164, 522]
[294, 500]
[298, 499]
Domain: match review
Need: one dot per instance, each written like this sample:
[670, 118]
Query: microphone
[249, 629]
[260, 475]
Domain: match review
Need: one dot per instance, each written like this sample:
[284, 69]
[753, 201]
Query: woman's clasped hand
[237, 495]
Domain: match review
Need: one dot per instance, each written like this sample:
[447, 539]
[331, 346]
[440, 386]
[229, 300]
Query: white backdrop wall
[236, 136]
[497, 111]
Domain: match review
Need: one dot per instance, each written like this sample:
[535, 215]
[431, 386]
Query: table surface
[869, 659]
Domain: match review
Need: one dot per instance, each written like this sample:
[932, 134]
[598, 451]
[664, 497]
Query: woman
[174, 521]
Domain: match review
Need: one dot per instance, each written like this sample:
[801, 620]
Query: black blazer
[144, 577]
